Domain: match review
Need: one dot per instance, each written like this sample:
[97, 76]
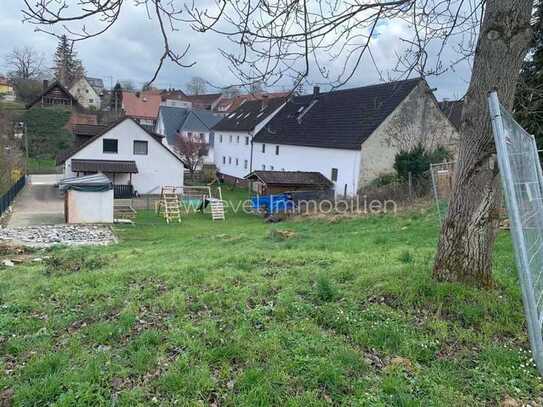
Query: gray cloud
[131, 49]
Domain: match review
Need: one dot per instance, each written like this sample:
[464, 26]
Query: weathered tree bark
[469, 230]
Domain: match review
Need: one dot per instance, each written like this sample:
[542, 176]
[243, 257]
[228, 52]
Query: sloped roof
[59, 86]
[143, 105]
[304, 178]
[453, 110]
[203, 101]
[228, 105]
[95, 82]
[340, 119]
[180, 119]
[249, 115]
[64, 155]
[88, 129]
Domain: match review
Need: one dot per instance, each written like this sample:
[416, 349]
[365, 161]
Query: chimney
[45, 84]
[316, 92]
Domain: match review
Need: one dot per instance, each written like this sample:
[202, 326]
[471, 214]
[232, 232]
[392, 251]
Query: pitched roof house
[57, 95]
[174, 122]
[129, 155]
[87, 95]
[350, 136]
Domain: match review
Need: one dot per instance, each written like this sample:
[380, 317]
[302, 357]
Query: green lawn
[340, 312]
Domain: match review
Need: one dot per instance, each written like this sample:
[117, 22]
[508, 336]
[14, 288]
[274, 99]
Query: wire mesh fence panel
[522, 182]
[442, 176]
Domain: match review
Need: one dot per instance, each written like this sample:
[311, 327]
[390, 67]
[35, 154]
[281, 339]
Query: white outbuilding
[88, 199]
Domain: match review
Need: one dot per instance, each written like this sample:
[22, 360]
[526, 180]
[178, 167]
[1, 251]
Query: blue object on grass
[274, 203]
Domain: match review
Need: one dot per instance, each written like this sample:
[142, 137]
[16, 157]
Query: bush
[46, 133]
[384, 179]
[417, 161]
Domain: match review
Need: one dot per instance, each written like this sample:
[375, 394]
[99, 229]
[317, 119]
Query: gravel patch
[48, 235]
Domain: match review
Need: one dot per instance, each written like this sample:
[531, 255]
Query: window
[246, 141]
[230, 138]
[110, 146]
[282, 169]
[245, 164]
[263, 148]
[91, 100]
[237, 139]
[276, 150]
[140, 147]
[334, 174]
[271, 167]
[189, 133]
[223, 159]
[220, 138]
[229, 160]
[237, 161]
[263, 167]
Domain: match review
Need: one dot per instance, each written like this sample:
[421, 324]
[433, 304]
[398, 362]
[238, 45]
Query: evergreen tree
[529, 96]
[68, 68]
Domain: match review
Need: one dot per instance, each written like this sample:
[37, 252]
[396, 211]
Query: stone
[8, 263]
[48, 235]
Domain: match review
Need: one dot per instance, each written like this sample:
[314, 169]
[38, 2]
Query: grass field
[240, 313]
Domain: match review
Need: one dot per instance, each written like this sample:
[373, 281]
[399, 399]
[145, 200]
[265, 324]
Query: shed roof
[116, 166]
[88, 129]
[339, 119]
[286, 178]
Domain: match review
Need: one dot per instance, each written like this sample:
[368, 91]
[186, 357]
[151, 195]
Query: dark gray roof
[453, 110]
[249, 115]
[299, 178]
[118, 166]
[96, 83]
[88, 129]
[180, 119]
[339, 119]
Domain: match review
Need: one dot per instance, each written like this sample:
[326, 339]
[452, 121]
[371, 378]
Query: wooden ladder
[169, 205]
[217, 208]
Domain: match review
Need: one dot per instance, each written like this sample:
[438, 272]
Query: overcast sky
[131, 49]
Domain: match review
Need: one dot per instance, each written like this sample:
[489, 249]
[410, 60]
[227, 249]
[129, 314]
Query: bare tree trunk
[469, 231]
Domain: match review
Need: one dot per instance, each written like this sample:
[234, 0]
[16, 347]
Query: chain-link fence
[522, 181]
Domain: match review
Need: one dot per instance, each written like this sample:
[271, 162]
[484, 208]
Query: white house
[174, 122]
[235, 132]
[129, 155]
[350, 136]
[86, 94]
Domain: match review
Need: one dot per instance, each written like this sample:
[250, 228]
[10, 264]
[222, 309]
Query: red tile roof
[144, 105]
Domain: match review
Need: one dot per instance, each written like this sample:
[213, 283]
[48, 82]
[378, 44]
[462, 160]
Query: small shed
[88, 199]
[274, 182]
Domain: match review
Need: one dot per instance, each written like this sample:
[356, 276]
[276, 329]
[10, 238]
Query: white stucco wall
[232, 150]
[417, 119]
[85, 94]
[159, 167]
[90, 207]
[298, 158]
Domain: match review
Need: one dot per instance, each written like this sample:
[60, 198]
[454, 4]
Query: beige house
[86, 94]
